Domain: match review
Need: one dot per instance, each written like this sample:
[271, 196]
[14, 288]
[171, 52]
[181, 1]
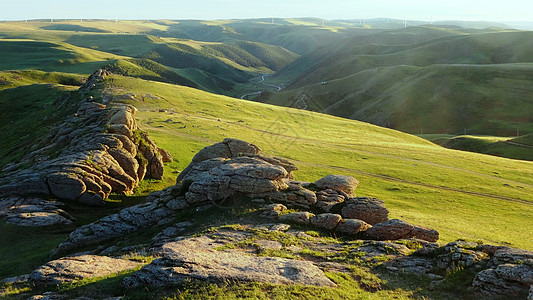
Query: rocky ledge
[97, 150]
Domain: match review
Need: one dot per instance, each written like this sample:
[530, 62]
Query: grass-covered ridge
[490, 197]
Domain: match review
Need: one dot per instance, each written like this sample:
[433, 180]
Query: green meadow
[461, 194]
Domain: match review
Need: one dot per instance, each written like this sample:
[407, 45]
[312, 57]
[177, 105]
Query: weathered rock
[512, 255]
[165, 155]
[352, 226]
[370, 210]
[228, 148]
[424, 233]
[455, 255]
[66, 185]
[326, 199]
[128, 220]
[346, 184]
[326, 220]
[298, 198]
[412, 264]
[170, 232]
[238, 176]
[506, 280]
[398, 229]
[369, 250]
[273, 210]
[74, 268]
[390, 230]
[195, 258]
[33, 212]
[297, 217]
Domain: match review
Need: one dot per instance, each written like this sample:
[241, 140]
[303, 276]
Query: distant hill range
[444, 77]
[420, 79]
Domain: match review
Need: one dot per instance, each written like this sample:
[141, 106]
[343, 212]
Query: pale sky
[425, 10]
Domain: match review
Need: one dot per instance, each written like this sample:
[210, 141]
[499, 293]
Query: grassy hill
[461, 194]
[420, 182]
[483, 99]
[517, 148]
[442, 85]
[81, 47]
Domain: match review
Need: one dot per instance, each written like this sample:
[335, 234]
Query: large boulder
[235, 177]
[228, 148]
[370, 210]
[396, 229]
[342, 183]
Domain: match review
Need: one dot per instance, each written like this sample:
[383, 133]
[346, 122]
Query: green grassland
[484, 99]
[509, 147]
[490, 197]
[420, 79]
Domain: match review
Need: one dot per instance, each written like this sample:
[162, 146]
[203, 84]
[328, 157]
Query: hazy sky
[510, 10]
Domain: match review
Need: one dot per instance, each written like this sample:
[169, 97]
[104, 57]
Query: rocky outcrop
[510, 274]
[233, 170]
[197, 258]
[75, 268]
[96, 151]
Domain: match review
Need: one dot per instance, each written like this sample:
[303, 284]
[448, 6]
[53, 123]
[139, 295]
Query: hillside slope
[442, 85]
[410, 173]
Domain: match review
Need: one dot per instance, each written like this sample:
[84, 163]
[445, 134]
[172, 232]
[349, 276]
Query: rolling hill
[447, 84]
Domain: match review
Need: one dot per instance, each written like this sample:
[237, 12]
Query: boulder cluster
[95, 151]
[233, 170]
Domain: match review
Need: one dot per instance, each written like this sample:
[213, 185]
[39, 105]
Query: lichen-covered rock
[326, 220]
[75, 268]
[396, 229]
[370, 210]
[343, 183]
[505, 280]
[328, 198]
[352, 226]
[297, 217]
[195, 258]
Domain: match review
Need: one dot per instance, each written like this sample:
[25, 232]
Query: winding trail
[262, 81]
[518, 144]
